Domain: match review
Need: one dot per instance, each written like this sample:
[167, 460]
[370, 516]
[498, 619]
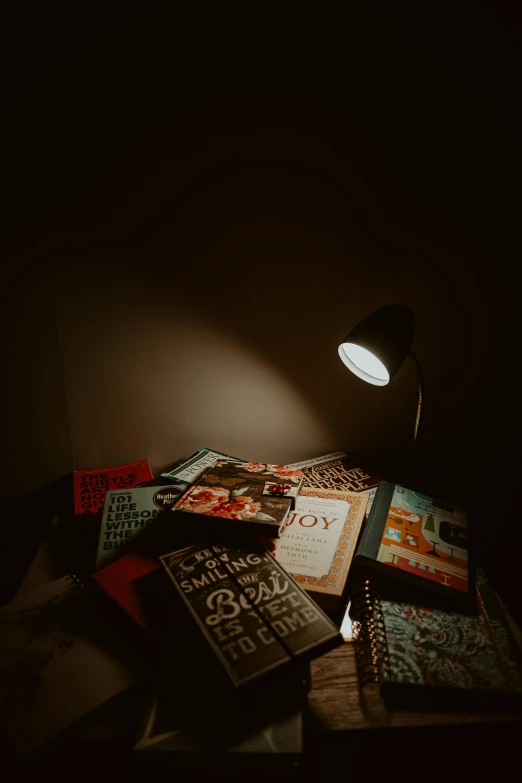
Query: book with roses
[231, 496]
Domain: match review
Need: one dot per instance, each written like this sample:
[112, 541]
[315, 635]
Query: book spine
[372, 533]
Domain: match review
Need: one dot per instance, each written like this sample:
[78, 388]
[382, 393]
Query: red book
[117, 579]
[90, 486]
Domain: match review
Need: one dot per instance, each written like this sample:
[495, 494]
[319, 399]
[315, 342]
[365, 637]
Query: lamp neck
[420, 383]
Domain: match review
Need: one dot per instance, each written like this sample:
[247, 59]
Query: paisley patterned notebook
[427, 658]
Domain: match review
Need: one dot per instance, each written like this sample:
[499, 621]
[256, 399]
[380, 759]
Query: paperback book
[338, 471]
[318, 541]
[126, 513]
[187, 472]
[90, 486]
[235, 496]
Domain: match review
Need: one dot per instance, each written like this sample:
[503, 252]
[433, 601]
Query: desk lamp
[376, 348]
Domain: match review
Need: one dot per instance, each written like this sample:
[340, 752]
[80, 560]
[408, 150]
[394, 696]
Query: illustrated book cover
[339, 471]
[427, 658]
[126, 513]
[248, 610]
[59, 660]
[231, 496]
[90, 486]
[418, 540]
[318, 541]
[187, 472]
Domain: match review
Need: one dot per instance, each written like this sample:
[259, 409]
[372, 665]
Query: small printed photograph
[392, 534]
[411, 540]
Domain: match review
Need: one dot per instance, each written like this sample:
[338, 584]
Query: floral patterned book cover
[250, 495]
[448, 653]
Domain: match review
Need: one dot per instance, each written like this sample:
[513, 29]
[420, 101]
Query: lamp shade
[376, 348]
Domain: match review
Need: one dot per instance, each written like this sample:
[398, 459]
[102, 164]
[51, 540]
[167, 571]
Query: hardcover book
[426, 658]
[318, 541]
[419, 540]
[59, 659]
[250, 613]
[188, 471]
[128, 512]
[338, 471]
[231, 496]
[90, 486]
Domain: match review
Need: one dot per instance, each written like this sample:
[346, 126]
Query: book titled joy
[317, 543]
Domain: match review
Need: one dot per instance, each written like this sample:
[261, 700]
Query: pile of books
[217, 583]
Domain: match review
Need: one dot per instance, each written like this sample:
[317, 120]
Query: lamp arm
[420, 382]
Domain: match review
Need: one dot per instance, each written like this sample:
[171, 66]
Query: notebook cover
[444, 659]
[242, 495]
[416, 539]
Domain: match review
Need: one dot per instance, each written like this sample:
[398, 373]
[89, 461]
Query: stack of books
[429, 627]
[203, 586]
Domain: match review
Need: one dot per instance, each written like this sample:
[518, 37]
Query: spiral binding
[369, 635]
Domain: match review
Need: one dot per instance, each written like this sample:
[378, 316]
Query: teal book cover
[126, 513]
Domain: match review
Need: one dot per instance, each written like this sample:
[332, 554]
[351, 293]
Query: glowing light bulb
[364, 364]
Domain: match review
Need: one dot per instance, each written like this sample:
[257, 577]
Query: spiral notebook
[59, 660]
[425, 658]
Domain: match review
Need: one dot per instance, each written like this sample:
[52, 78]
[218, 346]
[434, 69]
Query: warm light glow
[364, 364]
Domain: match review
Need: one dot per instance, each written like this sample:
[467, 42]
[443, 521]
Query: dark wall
[194, 225]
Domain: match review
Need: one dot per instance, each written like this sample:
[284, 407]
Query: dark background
[251, 187]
